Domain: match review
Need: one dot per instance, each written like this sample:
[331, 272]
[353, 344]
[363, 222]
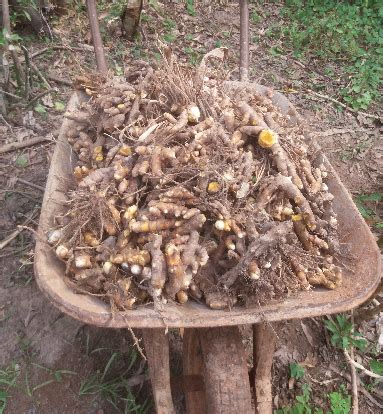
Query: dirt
[33, 332]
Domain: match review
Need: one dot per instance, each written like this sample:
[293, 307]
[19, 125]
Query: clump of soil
[190, 186]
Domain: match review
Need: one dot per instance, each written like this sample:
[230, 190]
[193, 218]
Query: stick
[59, 80]
[264, 340]
[37, 187]
[40, 75]
[354, 378]
[362, 389]
[256, 249]
[96, 37]
[361, 367]
[27, 72]
[354, 386]
[40, 95]
[46, 49]
[15, 233]
[244, 40]
[11, 94]
[367, 115]
[18, 145]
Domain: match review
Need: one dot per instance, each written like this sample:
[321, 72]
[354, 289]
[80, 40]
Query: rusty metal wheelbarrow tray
[358, 283]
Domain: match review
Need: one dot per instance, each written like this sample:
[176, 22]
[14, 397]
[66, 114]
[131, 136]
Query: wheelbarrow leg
[157, 353]
[264, 345]
[226, 379]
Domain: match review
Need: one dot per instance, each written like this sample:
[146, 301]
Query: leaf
[58, 376]
[22, 161]
[59, 106]
[40, 109]
[27, 15]
[296, 371]
[376, 366]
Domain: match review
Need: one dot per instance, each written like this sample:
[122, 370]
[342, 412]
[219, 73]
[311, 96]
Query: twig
[102, 66]
[4, 119]
[40, 95]
[367, 115]
[40, 75]
[354, 378]
[362, 389]
[18, 145]
[15, 233]
[10, 94]
[361, 367]
[354, 386]
[38, 187]
[46, 49]
[27, 72]
[59, 80]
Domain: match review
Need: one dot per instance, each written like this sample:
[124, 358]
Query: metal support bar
[244, 40]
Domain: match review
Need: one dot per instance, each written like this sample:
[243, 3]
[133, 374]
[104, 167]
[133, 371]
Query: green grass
[8, 378]
[114, 388]
[344, 34]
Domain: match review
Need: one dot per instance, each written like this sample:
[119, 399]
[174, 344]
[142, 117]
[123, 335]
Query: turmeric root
[176, 271]
[330, 277]
[268, 139]
[153, 226]
[158, 263]
[188, 188]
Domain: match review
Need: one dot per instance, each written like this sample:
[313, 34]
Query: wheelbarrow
[215, 371]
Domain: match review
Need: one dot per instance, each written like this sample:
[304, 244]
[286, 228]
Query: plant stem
[7, 27]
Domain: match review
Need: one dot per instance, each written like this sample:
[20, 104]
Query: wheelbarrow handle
[244, 40]
[102, 66]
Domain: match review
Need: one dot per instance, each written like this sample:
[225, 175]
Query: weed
[302, 404]
[340, 401]
[218, 43]
[169, 25]
[8, 378]
[349, 33]
[296, 371]
[114, 389]
[255, 17]
[169, 37]
[363, 202]
[342, 333]
[55, 376]
[193, 55]
[190, 8]
[145, 18]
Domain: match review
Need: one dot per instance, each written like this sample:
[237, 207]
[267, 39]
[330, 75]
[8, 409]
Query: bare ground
[33, 332]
